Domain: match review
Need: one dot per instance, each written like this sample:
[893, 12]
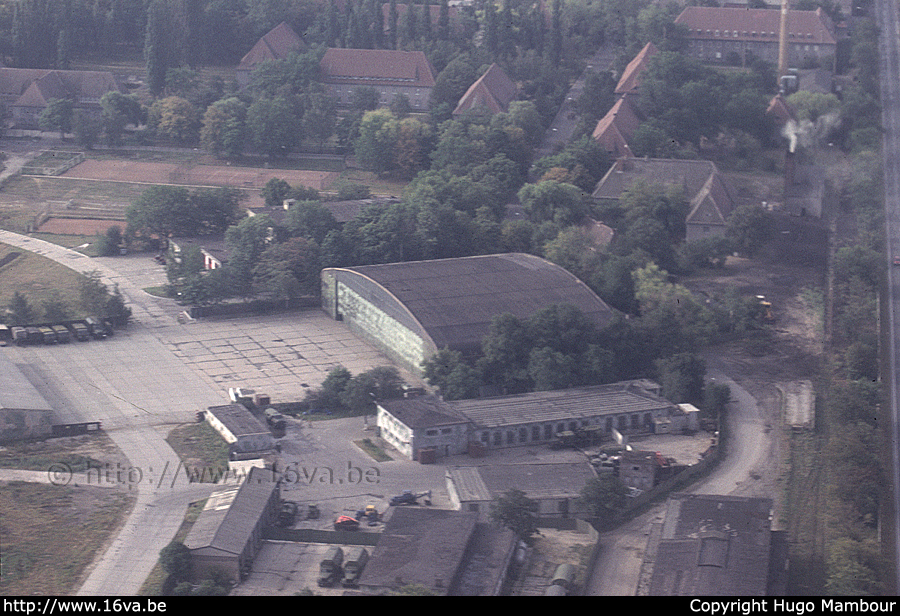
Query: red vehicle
[345, 522]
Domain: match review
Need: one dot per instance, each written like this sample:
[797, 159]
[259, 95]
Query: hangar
[411, 310]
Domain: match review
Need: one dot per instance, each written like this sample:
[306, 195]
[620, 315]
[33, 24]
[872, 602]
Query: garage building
[411, 310]
[24, 413]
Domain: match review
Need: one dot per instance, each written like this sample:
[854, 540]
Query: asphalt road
[889, 51]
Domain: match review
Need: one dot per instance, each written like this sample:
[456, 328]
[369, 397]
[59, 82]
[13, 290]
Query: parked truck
[96, 327]
[62, 333]
[80, 331]
[353, 566]
[330, 567]
[48, 334]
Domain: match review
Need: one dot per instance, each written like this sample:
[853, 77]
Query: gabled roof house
[629, 81]
[27, 91]
[711, 196]
[615, 129]
[388, 71]
[491, 93]
[277, 44]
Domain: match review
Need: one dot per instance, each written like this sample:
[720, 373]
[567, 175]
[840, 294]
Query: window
[473, 507]
[498, 439]
[535, 433]
[431, 432]
[548, 432]
[523, 435]
[446, 430]
[510, 437]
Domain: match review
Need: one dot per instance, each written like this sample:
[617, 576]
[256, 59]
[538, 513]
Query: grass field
[201, 449]
[39, 279]
[50, 534]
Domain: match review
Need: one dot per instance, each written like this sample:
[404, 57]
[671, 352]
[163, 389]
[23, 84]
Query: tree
[175, 118]
[289, 269]
[681, 377]
[749, 228]
[55, 308]
[275, 191]
[375, 147]
[20, 309]
[57, 115]
[456, 379]
[564, 204]
[223, 129]
[163, 211]
[87, 128]
[175, 559]
[117, 111]
[93, 293]
[158, 45]
[605, 497]
[514, 510]
[274, 126]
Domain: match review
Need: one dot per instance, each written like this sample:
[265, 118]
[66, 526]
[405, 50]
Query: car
[897, 260]
[345, 522]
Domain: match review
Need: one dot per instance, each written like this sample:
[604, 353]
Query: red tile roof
[374, 67]
[628, 82]
[780, 110]
[24, 87]
[705, 22]
[276, 44]
[492, 91]
[615, 128]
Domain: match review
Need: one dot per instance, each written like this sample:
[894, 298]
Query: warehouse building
[24, 413]
[713, 546]
[555, 487]
[228, 533]
[427, 428]
[411, 310]
[246, 435]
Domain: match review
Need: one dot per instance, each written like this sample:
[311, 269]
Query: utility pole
[782, 43]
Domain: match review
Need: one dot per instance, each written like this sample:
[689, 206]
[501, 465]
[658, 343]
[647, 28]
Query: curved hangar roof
[455, 300]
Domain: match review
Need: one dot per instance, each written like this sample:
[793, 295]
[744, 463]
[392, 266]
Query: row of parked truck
[91, 327]
[338, 567]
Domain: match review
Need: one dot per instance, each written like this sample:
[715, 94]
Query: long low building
[246, 435]
[426, 428]
[24, 413]
[229, 531]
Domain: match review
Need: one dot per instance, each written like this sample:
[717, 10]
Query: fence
[52, 162]
[315, 535]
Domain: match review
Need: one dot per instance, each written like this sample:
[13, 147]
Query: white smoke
[808, 134]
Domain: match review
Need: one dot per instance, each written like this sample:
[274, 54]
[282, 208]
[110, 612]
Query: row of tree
[94, 299]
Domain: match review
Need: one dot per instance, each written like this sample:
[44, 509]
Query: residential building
[710, 194]
[730, 35]
[411, 310]
[388, 71]
[28, 91]
[228, 533]
[614, 130]
[711, 545]
[277, 44]
[213, 248]
[491, 93]
[629, 81]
